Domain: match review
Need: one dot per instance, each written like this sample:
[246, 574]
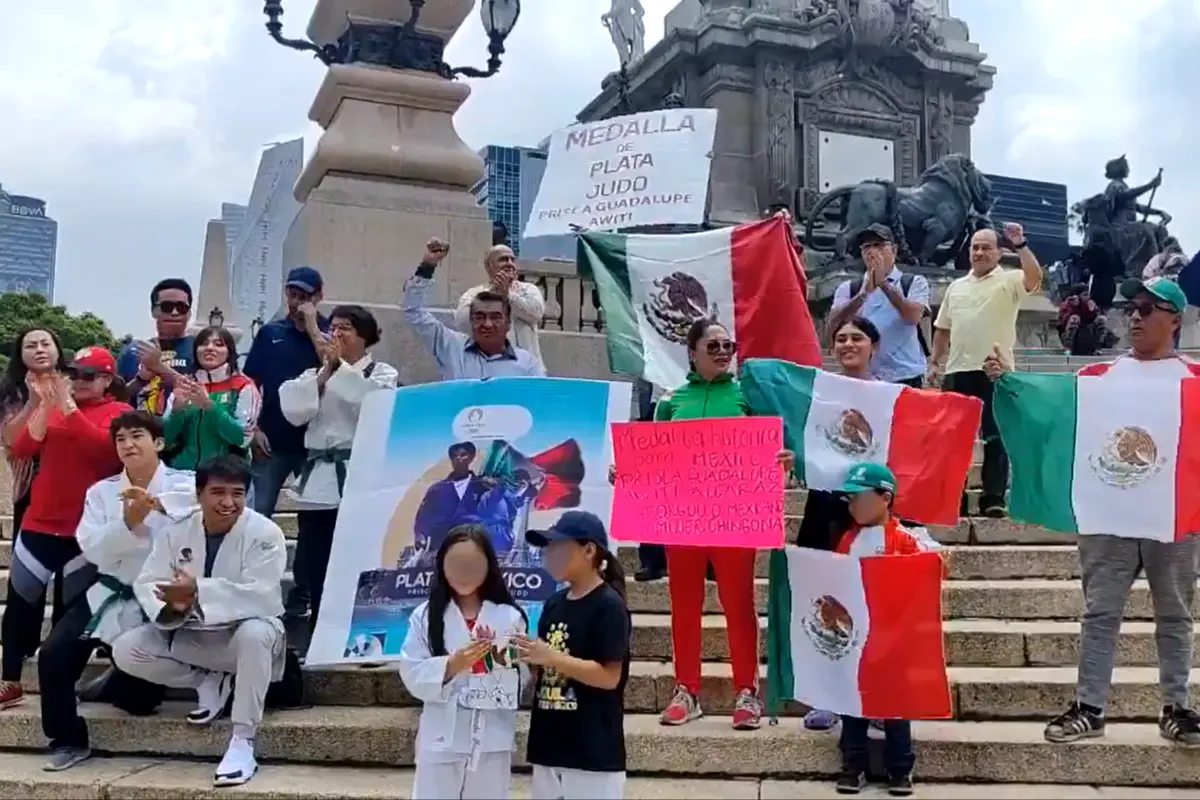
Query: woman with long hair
[68, 432]
[34, 352]
[214, 411]
[458, 659]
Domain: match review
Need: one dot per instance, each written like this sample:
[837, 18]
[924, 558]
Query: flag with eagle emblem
[1113, 450]
[652, 287]
[857, 636]
[832, 422]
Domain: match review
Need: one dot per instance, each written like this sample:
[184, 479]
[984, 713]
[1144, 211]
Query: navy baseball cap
[575, 526]
[306, 279]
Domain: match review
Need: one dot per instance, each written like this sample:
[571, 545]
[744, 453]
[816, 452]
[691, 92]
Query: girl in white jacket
[459, 660]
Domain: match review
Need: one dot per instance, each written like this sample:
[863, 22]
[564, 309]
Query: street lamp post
[403, 46]
[216, 319]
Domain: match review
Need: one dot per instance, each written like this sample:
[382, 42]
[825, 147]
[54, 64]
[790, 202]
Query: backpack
[906, 282]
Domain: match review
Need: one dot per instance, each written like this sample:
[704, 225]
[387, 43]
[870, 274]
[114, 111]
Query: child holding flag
[458, 658]
[871, 489]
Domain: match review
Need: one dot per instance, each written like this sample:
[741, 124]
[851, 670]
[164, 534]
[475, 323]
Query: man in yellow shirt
[978, 313]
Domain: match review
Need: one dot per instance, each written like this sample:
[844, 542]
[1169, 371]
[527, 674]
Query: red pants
[733, 568]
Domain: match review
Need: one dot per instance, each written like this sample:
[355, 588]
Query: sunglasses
[173, 307]
[1146, 308]
[716, 346]
[82, 374]
[876, 244]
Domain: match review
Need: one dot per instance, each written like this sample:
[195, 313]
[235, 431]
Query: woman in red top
[68, 431]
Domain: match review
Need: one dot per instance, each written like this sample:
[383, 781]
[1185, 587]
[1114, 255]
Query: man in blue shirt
[282, 350]
[893, 302]
[150, 368]
[487, 352]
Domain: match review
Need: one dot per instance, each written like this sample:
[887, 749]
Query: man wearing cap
[487, 352]
[978, 313]
[283, 350]
[1110, 564]
[894, 302]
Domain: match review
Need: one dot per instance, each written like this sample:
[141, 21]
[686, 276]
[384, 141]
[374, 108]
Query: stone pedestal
[389, 172]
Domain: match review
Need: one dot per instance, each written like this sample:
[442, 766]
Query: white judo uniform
[119, 553]
[468, 725]
[235, 626]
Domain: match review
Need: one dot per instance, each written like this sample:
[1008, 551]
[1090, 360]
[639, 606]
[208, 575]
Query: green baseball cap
[1164, 289]
[869, 477]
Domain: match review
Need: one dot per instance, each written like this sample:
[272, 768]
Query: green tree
[21, 311]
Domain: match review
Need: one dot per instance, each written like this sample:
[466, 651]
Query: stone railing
[572, 304]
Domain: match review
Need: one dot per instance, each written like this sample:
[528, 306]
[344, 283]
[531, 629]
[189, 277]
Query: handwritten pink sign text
[707, 483]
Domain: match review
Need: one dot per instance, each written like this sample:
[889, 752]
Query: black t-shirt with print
[574, 726]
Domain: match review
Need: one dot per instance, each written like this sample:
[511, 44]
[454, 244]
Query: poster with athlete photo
[509, 454]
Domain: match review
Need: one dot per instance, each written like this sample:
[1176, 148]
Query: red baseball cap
[96, 359]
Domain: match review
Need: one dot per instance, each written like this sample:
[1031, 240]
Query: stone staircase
[1011, 606]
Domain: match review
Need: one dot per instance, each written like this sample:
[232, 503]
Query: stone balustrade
[572, 304]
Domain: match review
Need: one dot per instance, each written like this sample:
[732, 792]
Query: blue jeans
[898, 758]
[269, 475]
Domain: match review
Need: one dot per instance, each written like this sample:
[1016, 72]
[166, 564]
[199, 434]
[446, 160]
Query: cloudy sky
[135, 119]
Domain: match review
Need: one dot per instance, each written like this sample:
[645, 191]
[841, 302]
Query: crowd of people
[144, 486]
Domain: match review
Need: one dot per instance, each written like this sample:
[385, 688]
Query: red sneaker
[683, 708]
[747, 711]
[11, 694]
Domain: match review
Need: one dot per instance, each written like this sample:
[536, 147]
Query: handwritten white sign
[641, 169]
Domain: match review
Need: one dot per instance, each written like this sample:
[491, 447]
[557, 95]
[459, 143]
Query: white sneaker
[213, 695]
[238, 765]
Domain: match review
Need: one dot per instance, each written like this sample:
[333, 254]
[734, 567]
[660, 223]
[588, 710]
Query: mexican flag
[832, 422]
[1095, 455]
[860, 637]
[652, 288]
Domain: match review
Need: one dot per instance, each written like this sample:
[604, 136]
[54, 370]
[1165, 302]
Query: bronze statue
[1111, 225]
[950, 202]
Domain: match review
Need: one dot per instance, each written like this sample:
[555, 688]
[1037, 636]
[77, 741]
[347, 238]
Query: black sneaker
[851, 782]
[647, 575]
[1074, 724]
[900, 785]
[1180, 725]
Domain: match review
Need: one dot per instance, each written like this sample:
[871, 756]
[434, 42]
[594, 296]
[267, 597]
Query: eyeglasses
[716, 346]
[876, 244]
[82, 374]
[173, 307]
[1146, 308]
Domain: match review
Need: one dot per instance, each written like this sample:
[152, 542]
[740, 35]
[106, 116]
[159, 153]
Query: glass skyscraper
[28, 245]
[508, 190]
[1040, 207]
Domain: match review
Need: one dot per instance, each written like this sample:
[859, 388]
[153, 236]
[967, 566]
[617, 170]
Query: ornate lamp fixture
[216, 319]
[255, 327]
[403, 46]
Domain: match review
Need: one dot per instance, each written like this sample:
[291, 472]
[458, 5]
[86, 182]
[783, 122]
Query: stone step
[968, 642]
[1030, 599]
[967, 562]
[980, 693]
[1132, 754]
[21, 776]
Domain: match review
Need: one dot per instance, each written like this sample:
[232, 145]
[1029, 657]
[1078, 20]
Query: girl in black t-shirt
[576, 730]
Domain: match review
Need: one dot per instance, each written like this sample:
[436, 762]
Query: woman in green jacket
[214, 411]
[712, 391]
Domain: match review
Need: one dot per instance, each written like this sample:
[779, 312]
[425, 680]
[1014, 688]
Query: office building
[28, 245]
[233, 217]
[1040, 208]
[507, 191]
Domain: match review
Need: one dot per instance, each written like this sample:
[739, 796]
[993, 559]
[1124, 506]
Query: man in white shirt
[525, 299]
[211, 590]
[120, 516]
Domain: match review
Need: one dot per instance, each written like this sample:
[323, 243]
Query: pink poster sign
[708, 483]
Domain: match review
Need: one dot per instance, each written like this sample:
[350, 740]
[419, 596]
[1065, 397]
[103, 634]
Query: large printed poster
[507, 453]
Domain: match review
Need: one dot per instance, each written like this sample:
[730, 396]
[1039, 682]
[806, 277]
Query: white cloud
[135, 119]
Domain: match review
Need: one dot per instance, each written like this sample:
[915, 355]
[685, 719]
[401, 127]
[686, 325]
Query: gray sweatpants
[1109, 565]
[252, 651]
